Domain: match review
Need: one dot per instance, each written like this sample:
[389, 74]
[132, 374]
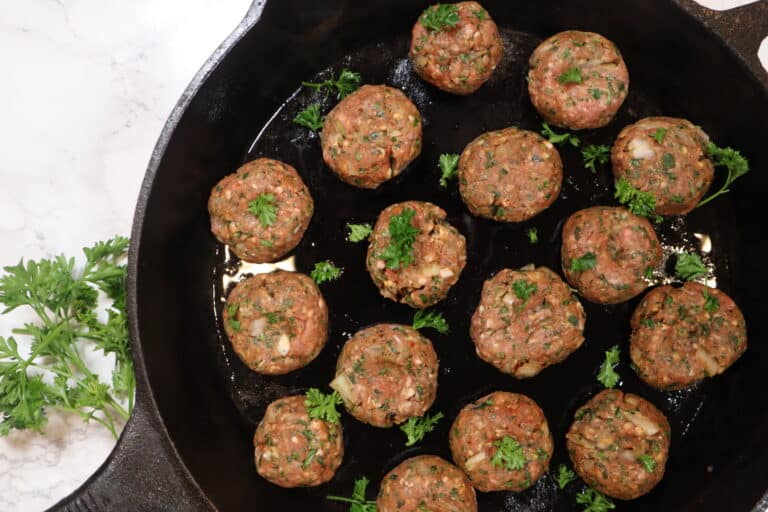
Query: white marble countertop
[86, 88]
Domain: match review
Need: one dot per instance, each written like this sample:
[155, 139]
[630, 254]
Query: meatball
[386, 374]
[371, 136]
[277, 322]
[606, 253]
[527, 319]
[502, 442]
[619, 443]
[261, 211]
[509, 175]
[682, 335]
[414, 255]
[666, 157]
[577, 80]
[294, 450]
[426, 482]
[461, 56]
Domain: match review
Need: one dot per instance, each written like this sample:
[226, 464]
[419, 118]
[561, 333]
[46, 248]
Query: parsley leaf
[264, 208]
[595, 155]
[559, 138]
[571, 76]
[449, 164]
[607, 375]
[711, 304]
[325, 271]
[533, 235]
[417, 428]
[402, 235]
[430, 319]
[347, 83]
[688, 266]
[639, 203]
[647, 461]
[594, 501]
[321, 406]
[357, 502]
[659, 134]
[586, 262]
[736, 164]
[440, 16]
[480, 14]
[358, 232]
[564, 476]
[509, 454]
[523, 289]
[310, 117]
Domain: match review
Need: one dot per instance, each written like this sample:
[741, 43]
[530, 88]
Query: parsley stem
[342, 498]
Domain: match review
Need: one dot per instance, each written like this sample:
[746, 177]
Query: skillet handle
[742, 28]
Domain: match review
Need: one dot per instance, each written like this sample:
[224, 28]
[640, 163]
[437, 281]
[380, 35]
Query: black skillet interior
[210, 403]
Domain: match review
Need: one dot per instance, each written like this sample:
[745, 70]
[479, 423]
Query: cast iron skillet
[188, 444]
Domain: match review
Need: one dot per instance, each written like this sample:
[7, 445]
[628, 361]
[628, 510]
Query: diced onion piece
[649, 427]
[257, 327]
[708, 361]
[640, 149]
[344, 387]
[283, 345]
[472, 462]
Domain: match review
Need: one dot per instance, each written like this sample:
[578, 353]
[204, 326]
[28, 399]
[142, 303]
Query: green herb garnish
[347, 83]
[417, 428]
[607, 375]
[449, 164]
[688, 266]
[571, 76]
[594, 501]
[586, 262]
[325, 271]
[594, 155]
[440, 16]
[265, 208]
[358, 502]
[509, 454]
[736, 164]
[659, 134]
[430, 319]
[523, 289]
[358, 232]
[559, 138]
[564, 476]
[310, 117]
[321, 406]
[533, 235]
[711, 304]
[640, 203]
[402, 235]
[647, 461]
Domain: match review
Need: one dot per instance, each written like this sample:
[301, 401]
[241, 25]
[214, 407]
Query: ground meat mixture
[456, 58]
[261, 211]
[294, 450]
[527, 319]
[386, 374]
[434, 260]
[619, 443]
[682, 335]
[509, 175]
[666, 157]
[277, 322]
[607, 253]
[426, 483]
[577, 80]
[371, 136]
[502, 442]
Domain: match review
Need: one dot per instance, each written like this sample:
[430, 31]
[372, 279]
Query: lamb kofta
[426, 482]
[665, 156]
[619, 443]
[527, 319]
[414, 255]
[276, 322]
[261, 211]
[577, 80]
[456, 47]
[509, 175]
[386, 374]
[682, 335]
[607, 252]
[371, 136]
[502, 442]
[294, 450]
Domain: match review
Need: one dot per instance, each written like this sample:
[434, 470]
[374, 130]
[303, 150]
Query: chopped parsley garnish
[659, 134]
[595, 155]
[647, 461]
[533, 235]
[310, 117]
[233, 322]
[509, 454]
[559, 138]
[480, 14]
[688, 266]
[358, 502]
[449, 164]
[594, 501]
[736, 164]
[711, 304]
[640, 203]
[325, 271]
[571, 76]
[358, 232]
[585, 262]
[308, 459]
[264, 208]
[440, 16]
[523, 289]
[667, 161]
[607, 375]
[402, 235]
[346, 84]
[430, 319]
[564, 476]
[417, 428]
[321, 406]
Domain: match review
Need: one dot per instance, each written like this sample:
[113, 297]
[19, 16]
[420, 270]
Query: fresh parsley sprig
[595, 155]
[647, 462]
[265, 208]
[587, 261]
[430, 319]
[594, 501]
[440, 16]
[640, 203]
[523, 289]
[321, 406]
[417, 428]
[449, 165]
[572, 75]
[559, 138]
[358, 502]
[607, 375]
[509, 454]
[402, 235]
[564, 476]
[325, 271]
[310, 117]
[533, 235]
[358, 232]
[736, 164]
[347, 83]
[688, 266]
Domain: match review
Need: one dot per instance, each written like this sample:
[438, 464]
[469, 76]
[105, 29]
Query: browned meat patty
[682, 335]
[666, 157]
[606, 253]
[435, 263]
[386, 374]
[527, 319]
[502, 442]
[426, 483]
[371, 136]
[261, 211]
[619, 443]
[577, 80]
[457, 58]
[294, 450]
[277, 322]
[509, 175]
